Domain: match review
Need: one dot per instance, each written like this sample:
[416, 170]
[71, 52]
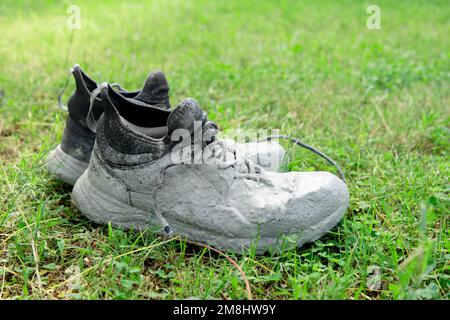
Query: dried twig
[234, 263]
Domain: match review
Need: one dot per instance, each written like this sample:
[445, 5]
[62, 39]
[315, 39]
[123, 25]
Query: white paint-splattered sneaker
[145, 173]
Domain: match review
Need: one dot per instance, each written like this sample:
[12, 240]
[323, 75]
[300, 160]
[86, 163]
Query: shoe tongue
[185, 115]
[155, 91]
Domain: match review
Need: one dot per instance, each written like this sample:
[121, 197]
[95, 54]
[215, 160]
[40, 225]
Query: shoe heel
[103, 208]
[65, 167]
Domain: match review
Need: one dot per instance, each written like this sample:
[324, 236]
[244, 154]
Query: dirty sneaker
[139, 177]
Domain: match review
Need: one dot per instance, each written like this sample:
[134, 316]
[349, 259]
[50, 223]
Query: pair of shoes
[152, 167]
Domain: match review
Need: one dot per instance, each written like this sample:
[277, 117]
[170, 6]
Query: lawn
[377, 101]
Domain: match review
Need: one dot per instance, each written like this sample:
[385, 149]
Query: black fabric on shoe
[116, 128]
[136, 111]
[155, 91]
[78, 139]
[131, 147]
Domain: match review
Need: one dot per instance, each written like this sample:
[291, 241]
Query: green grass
[376, 101]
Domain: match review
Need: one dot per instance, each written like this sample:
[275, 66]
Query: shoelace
[245, 167]
[64, 107]
[61, 105]
[91, 122]
[218, 150]
[252, 168]
[299, 143]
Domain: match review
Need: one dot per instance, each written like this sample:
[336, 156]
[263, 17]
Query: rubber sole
[103, 208]
[65, 167]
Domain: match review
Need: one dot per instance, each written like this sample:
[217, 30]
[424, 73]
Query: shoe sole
[103, 208]
[65, 167]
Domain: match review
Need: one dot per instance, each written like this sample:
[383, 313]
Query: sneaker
[70, 159]
[139, 178]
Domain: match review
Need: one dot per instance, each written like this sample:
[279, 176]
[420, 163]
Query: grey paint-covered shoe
[139, 177]
[69, 159]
